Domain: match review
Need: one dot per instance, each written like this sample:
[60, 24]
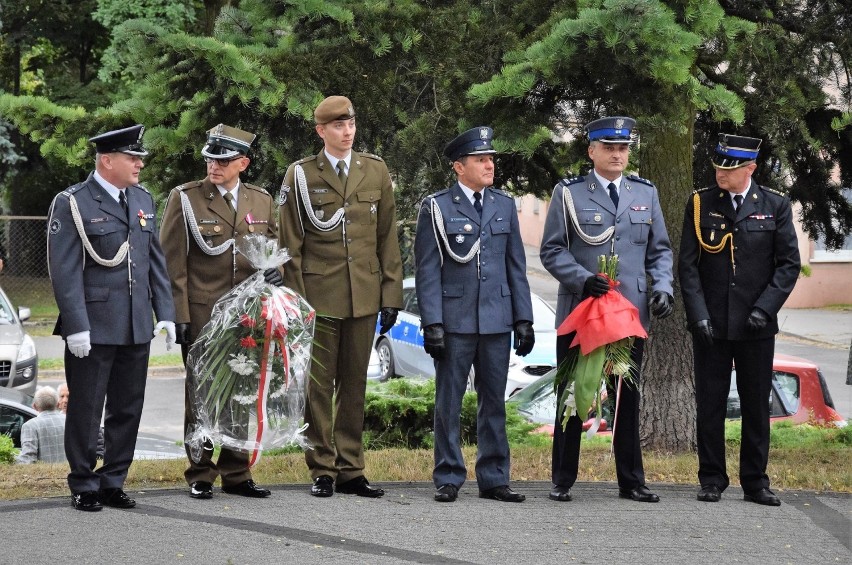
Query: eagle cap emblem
[483, 133]
[619, 123]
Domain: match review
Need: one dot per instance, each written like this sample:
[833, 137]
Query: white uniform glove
[79, 344]
[170, 333]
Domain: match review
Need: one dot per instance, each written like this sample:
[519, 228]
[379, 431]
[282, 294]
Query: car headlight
[27, 349]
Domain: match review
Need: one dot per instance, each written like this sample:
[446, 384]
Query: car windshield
[6, 315]
[543, 315]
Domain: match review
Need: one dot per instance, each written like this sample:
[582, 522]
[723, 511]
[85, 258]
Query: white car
[18, 357]
[401, 352]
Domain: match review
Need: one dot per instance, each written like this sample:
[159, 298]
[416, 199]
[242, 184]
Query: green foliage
[7, 450]
[400, 413]
[786, 434]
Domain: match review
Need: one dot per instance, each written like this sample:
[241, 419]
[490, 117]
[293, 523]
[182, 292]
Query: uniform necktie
[229, 197]
[738, 201]
[122, 199]
[477, 203]
[613, 193]
[341, 172]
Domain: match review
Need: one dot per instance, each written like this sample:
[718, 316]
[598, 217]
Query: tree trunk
[668, 386]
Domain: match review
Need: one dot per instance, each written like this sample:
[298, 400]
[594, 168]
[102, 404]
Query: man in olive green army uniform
[338, 220]
[202, 223]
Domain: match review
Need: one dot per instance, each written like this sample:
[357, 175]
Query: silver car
[401, 352]
[18, 357]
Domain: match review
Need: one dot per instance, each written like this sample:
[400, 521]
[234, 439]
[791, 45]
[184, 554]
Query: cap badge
[483, 133]
[619, 123]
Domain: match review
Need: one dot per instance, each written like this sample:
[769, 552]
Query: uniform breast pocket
[106, 237]
[368, 205]
[323, 204]
[461, 233]
[757, 226]
[591, 222]
[712, 229]
[499, 228]
[213, 233]
[640, 225]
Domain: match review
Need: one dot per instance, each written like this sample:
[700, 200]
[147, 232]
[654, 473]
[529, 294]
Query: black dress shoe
[503, 494]
[763, 496]
[201, 490]
[86, 501]
[639, 494]
[560, 493]
[323, 486]
[361, 487]
[447, 493]
[710, 493]
[116, 498]
[247, 488]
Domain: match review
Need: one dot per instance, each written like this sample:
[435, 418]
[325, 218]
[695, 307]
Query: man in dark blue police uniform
[739, 261]
[607, 213]
[473, 291]
[109, 279]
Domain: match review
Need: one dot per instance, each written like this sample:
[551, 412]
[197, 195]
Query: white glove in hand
[170, 333]
[79, 344]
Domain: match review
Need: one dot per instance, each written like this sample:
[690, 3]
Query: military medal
[319, 214]
[217, 229]
[251, 229]
[468, 228]
[598, 217]
[459, 238]
[141, 215]
[712, 235]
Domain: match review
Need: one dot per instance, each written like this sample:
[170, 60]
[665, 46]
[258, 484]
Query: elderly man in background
[43, 437]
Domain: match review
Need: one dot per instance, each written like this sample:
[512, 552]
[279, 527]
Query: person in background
[472, 289]
[203, 267]
[339, 224]
[43, 437]
[109, 280]
[739, 261]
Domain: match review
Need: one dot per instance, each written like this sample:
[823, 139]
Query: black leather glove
[182, 334]
[433, 340]
[596, 285]
[757, 320]
[273, 277]
[703, 332]
[387, 318]
[661, 304]
[524, 337]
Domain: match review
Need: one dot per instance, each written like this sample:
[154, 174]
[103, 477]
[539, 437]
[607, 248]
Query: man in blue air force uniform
[109, 279]
[606, 213]
[739, 261]
[473, 291]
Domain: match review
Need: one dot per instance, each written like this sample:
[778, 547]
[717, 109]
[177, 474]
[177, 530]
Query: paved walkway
[407, 526]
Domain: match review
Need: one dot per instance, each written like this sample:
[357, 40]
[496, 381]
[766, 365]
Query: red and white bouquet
[251, 361]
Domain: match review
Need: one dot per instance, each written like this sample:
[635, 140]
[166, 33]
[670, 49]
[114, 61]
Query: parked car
[799, 394]
[18, 357]
[401, 352]
[16, 408]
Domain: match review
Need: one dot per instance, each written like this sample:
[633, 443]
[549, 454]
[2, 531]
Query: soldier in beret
[607, 213]
[338, 220]
[739, 261]
[108, 274]
[472, 290]
[202, 223]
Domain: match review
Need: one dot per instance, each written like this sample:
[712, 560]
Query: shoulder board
[640, 179]
[142, 188]
[500, 192]
[255, 187]
[439, 193]
[571, 180]
[305, 159]
[189, 185]
[774, 191]
[372, 156]
[72, 189]
[705, 189]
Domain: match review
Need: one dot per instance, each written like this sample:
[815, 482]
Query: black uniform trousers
[753, 359]
[626, 446]
[113, 376]
[232, 465]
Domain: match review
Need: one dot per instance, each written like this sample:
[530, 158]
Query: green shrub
[7, 449]
[400, 413]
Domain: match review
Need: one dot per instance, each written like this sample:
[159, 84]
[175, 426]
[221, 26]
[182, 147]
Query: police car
[401, 352]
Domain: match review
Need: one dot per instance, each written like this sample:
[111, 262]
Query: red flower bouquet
[605, 328]
[251, 361]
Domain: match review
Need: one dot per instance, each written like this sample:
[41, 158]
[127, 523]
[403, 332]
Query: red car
[799, 394]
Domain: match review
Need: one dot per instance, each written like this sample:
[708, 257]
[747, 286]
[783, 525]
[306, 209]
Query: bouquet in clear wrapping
[251, 361]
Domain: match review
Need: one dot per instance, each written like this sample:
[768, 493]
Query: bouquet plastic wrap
[251, 361]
